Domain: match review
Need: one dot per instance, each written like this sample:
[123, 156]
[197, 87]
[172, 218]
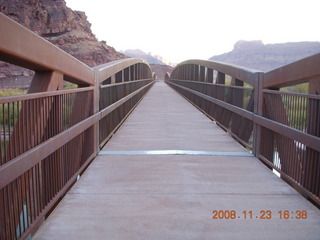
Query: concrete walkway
[164, 173]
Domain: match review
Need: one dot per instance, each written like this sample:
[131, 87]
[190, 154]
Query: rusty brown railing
[50, 135]
[281, 128]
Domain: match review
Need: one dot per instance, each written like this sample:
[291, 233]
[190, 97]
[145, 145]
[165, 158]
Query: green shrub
[11, 92]
[9, 111]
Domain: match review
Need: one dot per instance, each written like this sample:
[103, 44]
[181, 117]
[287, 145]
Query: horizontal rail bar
[212, 84]
[23, 47]
[302, 137]
[16, 167]
[293, 73]
[124, 83]
[43, 94]
[310, 96]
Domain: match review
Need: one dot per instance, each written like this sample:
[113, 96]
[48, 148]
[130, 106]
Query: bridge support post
[258, 110]
[123, 75]
[132, 73]
[209, 75]
[113, 79]
[96, 109]
[47, 81]
[202, 74]
[192, 72]
[196, 72]
[237, 100]
[221, 78]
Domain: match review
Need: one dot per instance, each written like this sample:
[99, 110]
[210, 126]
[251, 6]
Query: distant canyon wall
[265, 57]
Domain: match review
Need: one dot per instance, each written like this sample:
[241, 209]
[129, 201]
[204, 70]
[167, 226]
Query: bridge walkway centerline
[164, 173]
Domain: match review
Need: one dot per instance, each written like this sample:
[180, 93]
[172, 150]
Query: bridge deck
[131, 193]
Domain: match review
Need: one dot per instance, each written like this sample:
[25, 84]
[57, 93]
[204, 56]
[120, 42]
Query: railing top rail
[22, 47]
[216, 84]
[42, 94]
[242, 73]
[216, 65]
[294, 73]
[124, 83]
[106, 70]
[304, 95]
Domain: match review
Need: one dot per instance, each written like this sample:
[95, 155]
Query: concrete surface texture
[175, 195]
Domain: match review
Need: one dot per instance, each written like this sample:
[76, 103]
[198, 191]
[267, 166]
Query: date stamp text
[262, 214]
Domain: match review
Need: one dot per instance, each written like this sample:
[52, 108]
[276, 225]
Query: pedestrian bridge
[214, 151]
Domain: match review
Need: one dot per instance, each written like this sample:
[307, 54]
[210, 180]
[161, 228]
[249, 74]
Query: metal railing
[281, 128]
[50, 135]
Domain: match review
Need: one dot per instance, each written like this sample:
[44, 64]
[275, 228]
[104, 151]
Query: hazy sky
[184, 29]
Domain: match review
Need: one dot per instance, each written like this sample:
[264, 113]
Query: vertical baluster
[3, 215]
[4, 147]
[9, 216]
[2, 139]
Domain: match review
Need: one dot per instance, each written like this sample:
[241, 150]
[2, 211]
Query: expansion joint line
[177, 152]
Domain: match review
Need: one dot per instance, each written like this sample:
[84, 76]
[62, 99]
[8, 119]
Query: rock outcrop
[150, 58]
[160, 70]
[256, 55]
[67, 29]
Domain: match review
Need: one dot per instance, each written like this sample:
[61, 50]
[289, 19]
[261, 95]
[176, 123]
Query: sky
[179, 30]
